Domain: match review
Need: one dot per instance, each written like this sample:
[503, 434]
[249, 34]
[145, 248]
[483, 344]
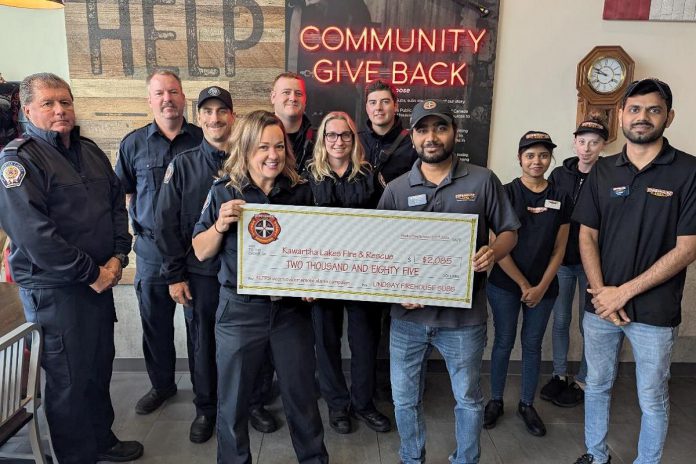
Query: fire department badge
[12, 174]
[429, 105]
[264, 228]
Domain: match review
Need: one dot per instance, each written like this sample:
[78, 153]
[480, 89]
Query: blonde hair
[319, 167]
[244, 141]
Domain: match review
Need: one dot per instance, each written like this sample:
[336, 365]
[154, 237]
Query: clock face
[606, 75]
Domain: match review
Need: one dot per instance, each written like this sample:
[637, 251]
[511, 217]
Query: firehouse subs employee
[63, 207]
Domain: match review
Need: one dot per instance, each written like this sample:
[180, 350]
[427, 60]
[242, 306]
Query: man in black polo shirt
[638, 234]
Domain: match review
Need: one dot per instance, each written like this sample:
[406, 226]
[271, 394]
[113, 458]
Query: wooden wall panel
[236, 44]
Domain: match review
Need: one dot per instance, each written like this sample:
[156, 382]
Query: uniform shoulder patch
[12, 174]
[169, 173]
[207, 201]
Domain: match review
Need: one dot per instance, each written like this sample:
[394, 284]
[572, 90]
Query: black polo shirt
[541, 214]
[467, 189]
[639, 215]
[282, 194]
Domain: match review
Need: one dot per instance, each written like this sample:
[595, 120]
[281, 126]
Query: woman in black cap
[590, 139]
[341, 178]
[258, 170]
[526, 278]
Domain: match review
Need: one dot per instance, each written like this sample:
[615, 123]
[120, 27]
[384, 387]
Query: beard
[645, 138]
[438, 157]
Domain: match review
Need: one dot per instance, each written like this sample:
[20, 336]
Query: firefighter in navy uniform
[143, 157]
[63, 207]
[192, 283]
[289, 100]
[387, 144]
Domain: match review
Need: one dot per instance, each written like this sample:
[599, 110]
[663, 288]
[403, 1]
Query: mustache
[216, 125]
[642, 123]
[432, 145]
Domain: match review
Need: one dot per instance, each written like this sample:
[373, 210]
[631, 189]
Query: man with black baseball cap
[193, 283]
[637, 212]
[440, 182]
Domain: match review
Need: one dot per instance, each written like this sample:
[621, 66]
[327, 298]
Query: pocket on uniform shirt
[55, 360]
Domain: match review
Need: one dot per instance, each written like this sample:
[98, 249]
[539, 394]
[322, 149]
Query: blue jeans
[506, 310]
[562, 315]
[652, 350]
[462, 348]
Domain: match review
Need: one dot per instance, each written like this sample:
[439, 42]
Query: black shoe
[493, 411]
[589, 459]
[262, 420]
[554, 388]
[339, 420]
[570, 397]
[122, 451]
[531, 419]
[374, 419]
[153, 400]
[202, 429]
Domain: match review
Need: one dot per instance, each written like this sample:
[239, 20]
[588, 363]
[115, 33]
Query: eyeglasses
[333, 136]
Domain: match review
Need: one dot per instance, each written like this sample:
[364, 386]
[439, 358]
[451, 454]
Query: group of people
[622, 226]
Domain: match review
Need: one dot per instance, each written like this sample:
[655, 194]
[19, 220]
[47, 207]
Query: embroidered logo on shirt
[169, 173]
[536, 210]
[659, 192]
[12, 174]
[465, 197]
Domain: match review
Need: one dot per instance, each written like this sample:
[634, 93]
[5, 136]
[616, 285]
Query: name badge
[417, 200]
[617, 192]
[553, 204]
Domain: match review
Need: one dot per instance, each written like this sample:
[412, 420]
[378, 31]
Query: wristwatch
[123, 258]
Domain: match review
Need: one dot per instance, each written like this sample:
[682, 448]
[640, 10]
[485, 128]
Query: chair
[20, 385]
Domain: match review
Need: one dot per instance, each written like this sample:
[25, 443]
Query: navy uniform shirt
[343, 192]
[639, 215]
[402, 158]
[281, 194]
[303, 144]
[64, 209]
[186, 184]
[468, 189]
[143, 157]
[541, 215]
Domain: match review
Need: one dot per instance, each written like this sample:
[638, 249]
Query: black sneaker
[570, 397]
[589, 459]
[554, 388]
[493, 411]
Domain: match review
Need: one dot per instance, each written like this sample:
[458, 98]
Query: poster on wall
[441, 49]
[428, 48]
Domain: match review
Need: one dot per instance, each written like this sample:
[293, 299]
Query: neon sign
[392, 40]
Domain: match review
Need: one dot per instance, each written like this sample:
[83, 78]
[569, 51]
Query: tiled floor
[165, 432]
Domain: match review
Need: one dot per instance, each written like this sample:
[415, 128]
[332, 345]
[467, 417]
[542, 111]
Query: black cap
[215, 92]
[536, 138]
[431, 108]
[591, 126]
[646, 86]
